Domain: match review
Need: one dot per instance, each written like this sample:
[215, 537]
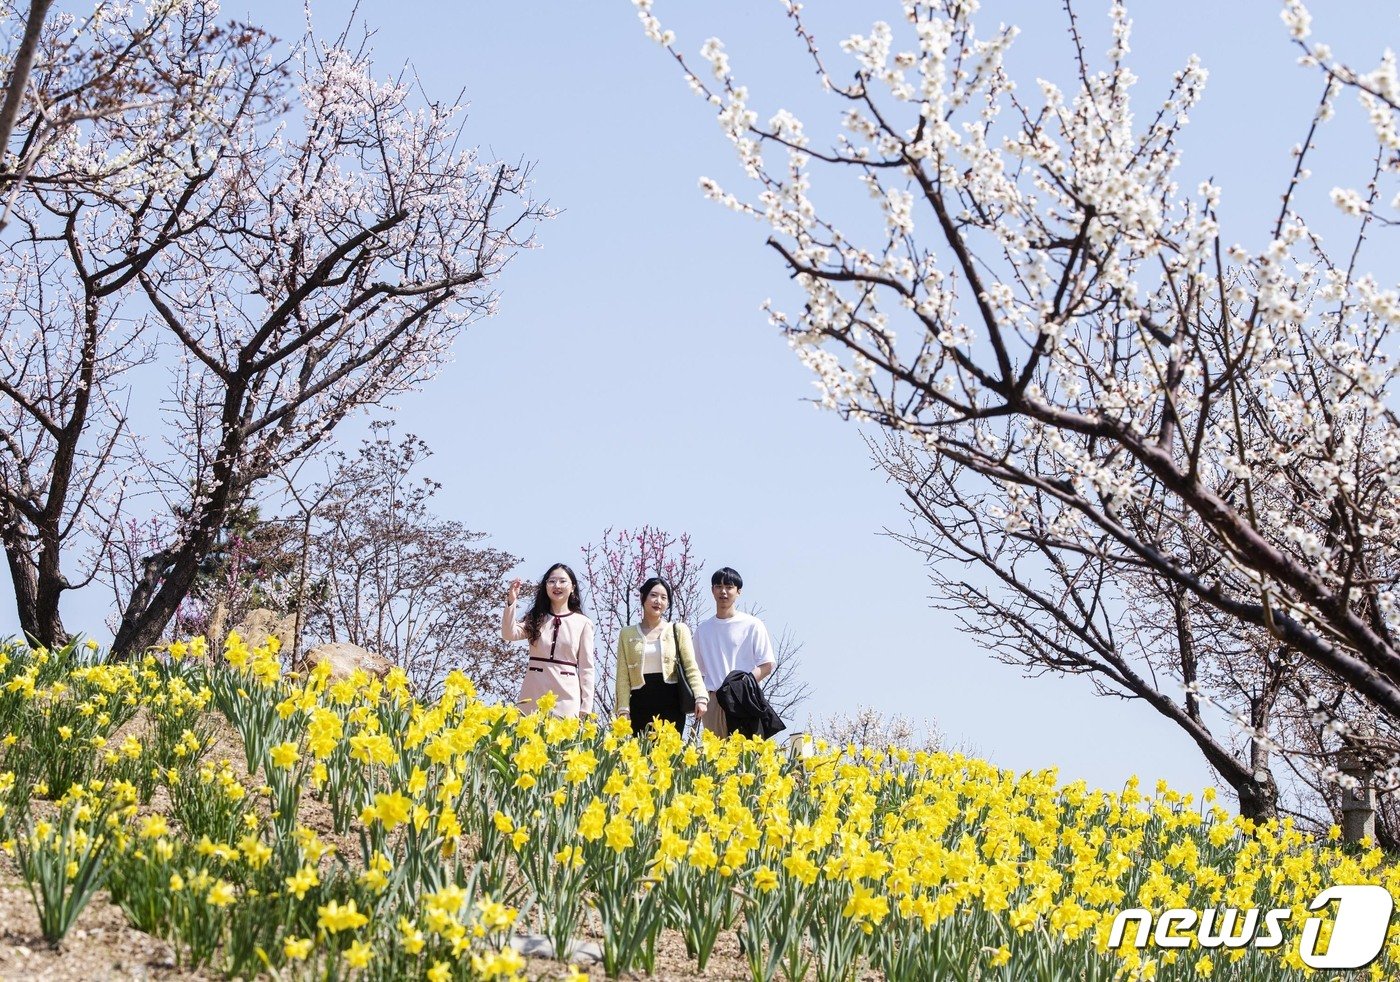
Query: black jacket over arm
[745, 707]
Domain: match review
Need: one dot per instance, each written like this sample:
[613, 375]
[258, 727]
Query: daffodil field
[440, 830]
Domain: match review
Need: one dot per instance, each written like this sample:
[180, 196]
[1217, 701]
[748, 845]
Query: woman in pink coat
[561, 643]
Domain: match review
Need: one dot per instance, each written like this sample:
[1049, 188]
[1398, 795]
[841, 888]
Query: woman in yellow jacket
[655, 660]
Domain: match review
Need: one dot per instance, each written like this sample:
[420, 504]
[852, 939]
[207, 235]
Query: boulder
[344, 658]
[538, 946]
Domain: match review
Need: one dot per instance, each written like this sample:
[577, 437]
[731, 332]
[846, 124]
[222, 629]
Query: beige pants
[714, 718]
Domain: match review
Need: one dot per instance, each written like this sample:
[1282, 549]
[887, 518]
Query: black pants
[657, 699]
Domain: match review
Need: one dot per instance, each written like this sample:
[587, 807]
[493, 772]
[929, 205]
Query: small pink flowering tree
[614, 570]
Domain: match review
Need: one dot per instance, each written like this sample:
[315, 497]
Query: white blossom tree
[1090, 395]
[66, 70]
[22, 51]
[307, 241]
[94, 126]
[866, 727]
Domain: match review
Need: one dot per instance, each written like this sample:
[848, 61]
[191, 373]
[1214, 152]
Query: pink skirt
[546, 676]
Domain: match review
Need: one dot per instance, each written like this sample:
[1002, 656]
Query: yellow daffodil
[296, 949]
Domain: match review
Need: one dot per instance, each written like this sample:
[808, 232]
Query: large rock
[260, 623]
[344, 658]
[538, 946]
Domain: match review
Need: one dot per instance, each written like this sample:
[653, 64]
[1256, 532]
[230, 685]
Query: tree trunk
[1258, 799]
[39, 617]
[151, 607]
[168, 579]
[26, 580]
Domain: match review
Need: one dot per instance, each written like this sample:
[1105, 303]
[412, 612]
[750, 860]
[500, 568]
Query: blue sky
[630, 376]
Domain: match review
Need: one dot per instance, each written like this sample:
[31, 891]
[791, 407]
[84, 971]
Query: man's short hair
[727, 576]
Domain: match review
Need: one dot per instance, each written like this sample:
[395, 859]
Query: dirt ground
[103, 946]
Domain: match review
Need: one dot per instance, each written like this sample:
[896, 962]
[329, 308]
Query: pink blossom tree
[614, 570]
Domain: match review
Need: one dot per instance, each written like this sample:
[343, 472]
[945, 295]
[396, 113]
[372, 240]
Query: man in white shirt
[731, 641]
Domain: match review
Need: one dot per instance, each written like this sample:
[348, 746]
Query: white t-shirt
[738, 643]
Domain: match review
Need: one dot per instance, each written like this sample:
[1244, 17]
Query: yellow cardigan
[629, 662]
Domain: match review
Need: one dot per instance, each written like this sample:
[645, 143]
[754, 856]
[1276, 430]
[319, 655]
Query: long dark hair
[541, 610]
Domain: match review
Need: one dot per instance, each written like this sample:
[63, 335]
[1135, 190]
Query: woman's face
[657, 600]
[558, 585]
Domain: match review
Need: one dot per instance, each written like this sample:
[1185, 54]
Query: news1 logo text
[1359, 923]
